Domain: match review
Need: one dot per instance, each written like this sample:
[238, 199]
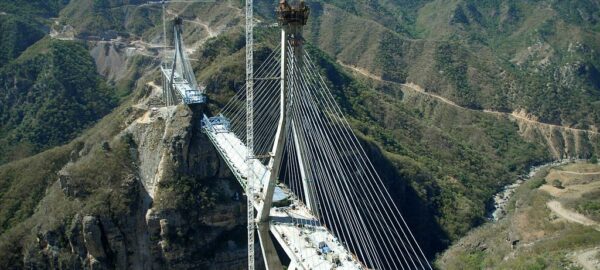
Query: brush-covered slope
[553, 222]
[48, 95]
[540, 56]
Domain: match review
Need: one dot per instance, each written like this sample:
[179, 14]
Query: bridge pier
[269, 252]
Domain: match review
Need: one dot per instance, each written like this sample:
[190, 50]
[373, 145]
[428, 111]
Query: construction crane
[250, 127]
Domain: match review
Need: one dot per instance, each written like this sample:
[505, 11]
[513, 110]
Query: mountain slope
[49, 94]
[544, 55]
[480, 111]
[552, 223]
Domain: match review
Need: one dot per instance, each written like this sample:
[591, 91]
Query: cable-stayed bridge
[179, 81]
[335, 196]
[308, 181]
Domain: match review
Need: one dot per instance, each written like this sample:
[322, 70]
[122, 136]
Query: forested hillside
[49, 89]
[22, 23]
[431, 87]
[541, 56]
[48, 95]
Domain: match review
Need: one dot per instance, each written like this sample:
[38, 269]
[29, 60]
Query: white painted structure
[295, 227]
[182, 87]
[336, 212]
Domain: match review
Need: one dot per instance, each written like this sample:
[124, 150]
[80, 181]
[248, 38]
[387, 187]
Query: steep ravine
[501, 199]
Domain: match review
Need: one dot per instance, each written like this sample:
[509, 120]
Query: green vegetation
[390, 59]
[536, 182]
[589, 205]
[530, 236]
[557, 184]
[52, 92]
[22, 23]
[38, 8]
[24, 183]
[451, 60]
[500, 55]
[188, 194]
[537, 50]
[472, 260]
[18, 35]
[101, 18]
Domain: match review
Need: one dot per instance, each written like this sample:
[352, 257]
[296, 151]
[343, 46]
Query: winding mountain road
[418, 89]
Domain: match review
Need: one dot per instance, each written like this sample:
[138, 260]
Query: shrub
[557, 184]
[536, 183]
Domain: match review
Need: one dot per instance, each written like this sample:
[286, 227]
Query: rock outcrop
[171, 206]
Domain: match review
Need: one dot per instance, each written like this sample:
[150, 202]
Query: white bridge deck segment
[186, 91]
[295, 227]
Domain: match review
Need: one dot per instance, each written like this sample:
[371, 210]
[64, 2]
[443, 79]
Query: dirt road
[418, 89]
[572, 216]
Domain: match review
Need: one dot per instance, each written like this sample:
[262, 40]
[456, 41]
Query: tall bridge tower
[292, 19]
[179, 80]
[309, 183]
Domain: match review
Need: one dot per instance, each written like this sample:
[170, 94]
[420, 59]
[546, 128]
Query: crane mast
[250, 128]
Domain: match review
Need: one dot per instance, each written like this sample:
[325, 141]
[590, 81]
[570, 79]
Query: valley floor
[553, 222]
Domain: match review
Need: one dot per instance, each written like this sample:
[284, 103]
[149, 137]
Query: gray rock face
[92, 237]
[163, 138]
[75, 238]
[153, 223]
[116, 243]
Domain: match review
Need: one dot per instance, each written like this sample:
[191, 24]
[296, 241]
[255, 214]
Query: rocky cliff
[151, 193]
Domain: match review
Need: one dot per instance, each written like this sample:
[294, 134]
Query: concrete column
[270, 256]
[269, 252]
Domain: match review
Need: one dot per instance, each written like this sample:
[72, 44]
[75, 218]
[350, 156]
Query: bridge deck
[188, 93]
[294, 226]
